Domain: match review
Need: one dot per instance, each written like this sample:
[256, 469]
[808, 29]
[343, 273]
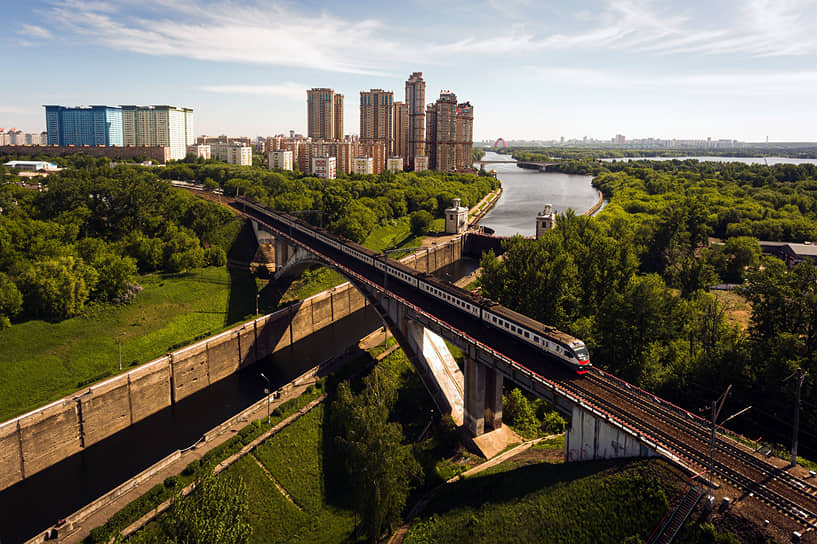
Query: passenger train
[567, 349]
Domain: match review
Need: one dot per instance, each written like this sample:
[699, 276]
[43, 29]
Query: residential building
[280, 159]
[431, 135]
[324, 114]
[399, 128]
[200, 151]
[464, 146]
[18, 137]
[84, 125]
[420, 163]
[394, 164]
[224, 139]
[415, 111]
[337, 132]
[441, 132]
[324, 167]
[377, 151]
[232, 153]
[162, 125]
[377, 117]
[364, 165]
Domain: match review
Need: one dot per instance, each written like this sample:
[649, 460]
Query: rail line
[691, 440]
[670, 428]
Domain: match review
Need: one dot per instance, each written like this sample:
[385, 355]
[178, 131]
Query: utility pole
[716, 410]
[268, 391]
[801, 376]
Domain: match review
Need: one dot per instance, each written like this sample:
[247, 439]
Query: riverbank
[595, 207]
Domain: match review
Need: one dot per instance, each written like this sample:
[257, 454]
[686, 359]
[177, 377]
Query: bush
[420, 222]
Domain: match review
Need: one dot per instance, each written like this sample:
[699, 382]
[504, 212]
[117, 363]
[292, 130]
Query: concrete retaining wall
[39, 439]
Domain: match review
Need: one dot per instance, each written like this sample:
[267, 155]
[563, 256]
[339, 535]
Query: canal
[37, 502]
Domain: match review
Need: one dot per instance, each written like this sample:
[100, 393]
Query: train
[557, 344]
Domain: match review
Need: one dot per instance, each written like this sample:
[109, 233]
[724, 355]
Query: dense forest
[93, 228]
[590, 153]
[350, 205]
[634, 283]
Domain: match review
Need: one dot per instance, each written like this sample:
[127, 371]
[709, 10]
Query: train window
[513, 329]
[527, 335]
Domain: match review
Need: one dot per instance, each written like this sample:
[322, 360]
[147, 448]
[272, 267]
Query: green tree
[518, 413]
[11, 301]
[216, 511]
[58, 287]
[420, 222]
[380, 468]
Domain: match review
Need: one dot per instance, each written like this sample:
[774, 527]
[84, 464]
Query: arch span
[497, 142]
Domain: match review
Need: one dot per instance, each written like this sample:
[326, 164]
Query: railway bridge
[474, 399]
[541, 166]
[609, 417]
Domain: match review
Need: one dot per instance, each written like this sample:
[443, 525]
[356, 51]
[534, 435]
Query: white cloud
[34, 31]
[228, 32]
[294, 91]
[754, 27]
[720, 83]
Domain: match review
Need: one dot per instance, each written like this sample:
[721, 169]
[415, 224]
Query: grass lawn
[41, 361]
[295, 458]
[563, 503]
[395, 234]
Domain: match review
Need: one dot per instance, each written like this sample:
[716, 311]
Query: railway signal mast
[801, 376]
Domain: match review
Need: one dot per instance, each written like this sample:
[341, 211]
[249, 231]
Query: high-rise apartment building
[337, 133]
[168, 126]
[324, 114]
[465, 136]
[400, 128]
[415, 110]
[94, 125]
[377, 117]
[449, 133]
[441, 133]
[431, 135]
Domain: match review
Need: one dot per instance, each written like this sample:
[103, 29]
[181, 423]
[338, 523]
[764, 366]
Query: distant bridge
[531, 165]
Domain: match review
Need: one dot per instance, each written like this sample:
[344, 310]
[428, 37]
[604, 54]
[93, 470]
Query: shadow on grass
[241, 302]
[511, 485]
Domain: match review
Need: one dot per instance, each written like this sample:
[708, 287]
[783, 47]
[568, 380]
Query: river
[525, 193]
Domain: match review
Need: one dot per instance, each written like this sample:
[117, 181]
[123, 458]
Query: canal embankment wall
[43, 437]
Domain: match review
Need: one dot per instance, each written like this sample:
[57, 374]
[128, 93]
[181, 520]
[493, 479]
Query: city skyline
[736, 70]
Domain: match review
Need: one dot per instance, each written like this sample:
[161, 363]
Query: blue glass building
[94, 125]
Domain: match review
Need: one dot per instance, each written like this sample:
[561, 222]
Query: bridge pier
[483, 398]
[589, 438]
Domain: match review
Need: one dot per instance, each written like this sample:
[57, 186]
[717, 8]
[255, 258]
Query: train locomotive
[556, 344]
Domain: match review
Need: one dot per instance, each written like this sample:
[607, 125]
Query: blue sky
[743, 69]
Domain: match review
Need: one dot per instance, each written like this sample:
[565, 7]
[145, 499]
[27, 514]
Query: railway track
[689, 437]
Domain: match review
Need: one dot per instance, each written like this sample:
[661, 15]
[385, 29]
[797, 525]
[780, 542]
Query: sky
[533, 69]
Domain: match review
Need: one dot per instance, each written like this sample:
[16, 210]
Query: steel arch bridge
[497, 142]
